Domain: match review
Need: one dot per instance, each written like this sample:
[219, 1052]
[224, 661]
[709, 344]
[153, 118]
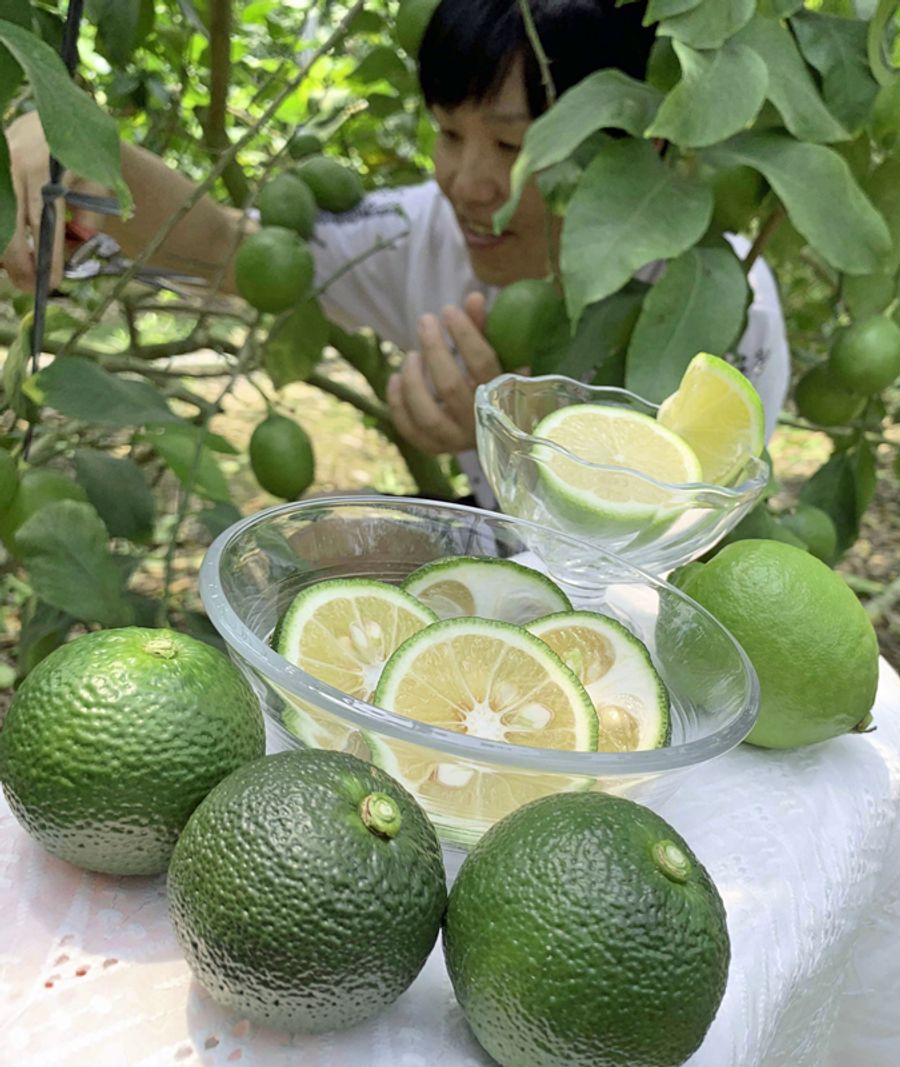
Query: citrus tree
[781, 121]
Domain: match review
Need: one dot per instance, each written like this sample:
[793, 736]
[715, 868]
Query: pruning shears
[96, 254]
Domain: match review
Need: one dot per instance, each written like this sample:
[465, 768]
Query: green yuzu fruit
[865, 358]
[36, 488]
[307, 890]
[809, 638]
[334, 185]
[287, 201]
[273, 269]
[281, 457]
[581, 931]
[111, 742]
[525, 315]
[815, 529]
[823, 400]
[303, 144]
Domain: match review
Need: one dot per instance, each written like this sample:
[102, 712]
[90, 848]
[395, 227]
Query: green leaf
[597, 351]
[117, 23]
[791, 86]
[605, 99]
[710, 24]
[7, 193]
[82, 390]
[381, 64]
[20, 13]
[81, 136]
[64, 546]
[663, 9]
[833, 488]
[820, 194]
[44, 628]
[836, 47]
[218, 517]
[719, 94]
[118, 490]
[883, 188]
[697, 306]
[15, 368]
[629, 209]
[185, 451]
[294, 345]
[878, 37]
[779, 8]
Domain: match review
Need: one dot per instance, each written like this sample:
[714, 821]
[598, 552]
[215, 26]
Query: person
[429, 290]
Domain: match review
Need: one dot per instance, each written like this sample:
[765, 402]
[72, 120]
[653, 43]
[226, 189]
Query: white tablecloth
[804, 847]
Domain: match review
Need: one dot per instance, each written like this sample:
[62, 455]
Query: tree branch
[215, 132]
[766, 233]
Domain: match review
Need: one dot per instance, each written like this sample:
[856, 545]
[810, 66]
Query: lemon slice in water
[343, 630]
[615, 668]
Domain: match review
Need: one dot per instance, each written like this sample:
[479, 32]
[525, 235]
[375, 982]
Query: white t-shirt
[427, 267]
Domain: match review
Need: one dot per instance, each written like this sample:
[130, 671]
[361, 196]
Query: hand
[30, 166]
[432, 397]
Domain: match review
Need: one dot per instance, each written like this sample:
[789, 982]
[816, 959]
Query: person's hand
[432, 397]
[30, 166]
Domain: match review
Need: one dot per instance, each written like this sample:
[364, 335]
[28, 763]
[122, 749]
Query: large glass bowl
[254, 569]
[681, 523]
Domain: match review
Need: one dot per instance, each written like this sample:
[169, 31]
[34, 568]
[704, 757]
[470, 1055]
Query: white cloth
[427, 267]
[804, 847]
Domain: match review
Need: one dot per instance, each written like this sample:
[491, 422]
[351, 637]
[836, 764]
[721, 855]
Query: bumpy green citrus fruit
[303, 144]
[287, 201]
[865, 358]
[307, 890]
[822, 399]
[281, 457]
[273, 269]
[582, 931]
[36, 488]
[113, 739]
[335, 186]
[525, 316]
[808, 637]
[412, 22]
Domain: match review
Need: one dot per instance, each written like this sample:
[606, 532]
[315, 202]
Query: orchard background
[124, 447]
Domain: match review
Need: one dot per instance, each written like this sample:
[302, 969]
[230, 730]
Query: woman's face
[476, 147]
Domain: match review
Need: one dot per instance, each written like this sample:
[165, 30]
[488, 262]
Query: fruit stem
[672, 861]
[866, 725]
[164, 647]
[380, 814]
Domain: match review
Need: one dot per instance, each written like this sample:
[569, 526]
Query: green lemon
[807, 635]
[281, 457]
[37, 487]
[334, 185]
[865, 358]
[737, 195]
[274, 269]
[526, 316]
[307, 890]
[303, 144]
[412, 22]
[814, 528]
[287, 201]
[113, 739]
[823, 400]
[582, 931]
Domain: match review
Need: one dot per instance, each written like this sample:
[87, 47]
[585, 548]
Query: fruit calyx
[380, 814]
[672, 861]
[161, 646]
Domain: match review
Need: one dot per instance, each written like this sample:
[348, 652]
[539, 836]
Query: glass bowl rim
[756, 468]
[275, 669]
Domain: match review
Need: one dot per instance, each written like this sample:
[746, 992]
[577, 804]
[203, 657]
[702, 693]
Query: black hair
[470, 45]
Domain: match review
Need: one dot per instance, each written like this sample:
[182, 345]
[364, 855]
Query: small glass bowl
[690, 518]
[254, 569]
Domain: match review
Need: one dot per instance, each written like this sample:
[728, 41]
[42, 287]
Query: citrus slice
[492, 680]
[600, 439]
[615, 668]
[485, 586]
[343, 630]
[720, 415]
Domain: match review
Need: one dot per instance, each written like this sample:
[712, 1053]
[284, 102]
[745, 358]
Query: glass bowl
[255, 568]
[683, 521]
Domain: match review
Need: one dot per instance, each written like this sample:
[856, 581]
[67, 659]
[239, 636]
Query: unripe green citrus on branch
[334, 185]
[525, 317]
[865, 358]
[303, 144]
[287, 201]
[823, 400]
[273, 269]
[281, 457]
